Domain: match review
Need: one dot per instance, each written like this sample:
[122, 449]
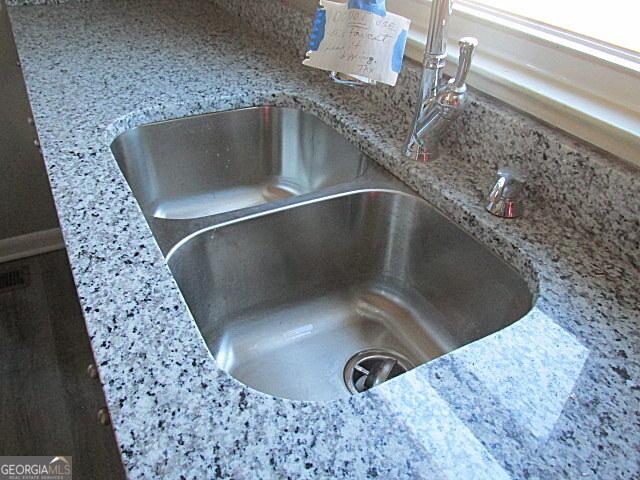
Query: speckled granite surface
[556, 395]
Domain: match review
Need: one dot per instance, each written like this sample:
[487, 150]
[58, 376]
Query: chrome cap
[506, 197]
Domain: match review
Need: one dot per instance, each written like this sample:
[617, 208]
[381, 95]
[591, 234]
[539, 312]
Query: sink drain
[369, 368]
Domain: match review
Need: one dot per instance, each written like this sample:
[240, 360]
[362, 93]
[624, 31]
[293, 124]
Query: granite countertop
[555, 395]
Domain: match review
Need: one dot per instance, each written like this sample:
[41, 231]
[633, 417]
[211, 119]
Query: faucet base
[421, 152]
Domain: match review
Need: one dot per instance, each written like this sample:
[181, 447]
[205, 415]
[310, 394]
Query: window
[579, 72]
[614, 23]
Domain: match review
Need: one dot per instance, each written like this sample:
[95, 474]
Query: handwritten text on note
[358, 42]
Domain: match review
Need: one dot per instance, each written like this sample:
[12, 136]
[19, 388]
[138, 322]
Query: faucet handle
[506, 196]
[467, 47]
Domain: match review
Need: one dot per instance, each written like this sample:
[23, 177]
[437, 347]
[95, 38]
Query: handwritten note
[358, 42]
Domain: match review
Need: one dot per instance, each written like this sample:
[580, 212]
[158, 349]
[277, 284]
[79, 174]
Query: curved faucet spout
[439, 103]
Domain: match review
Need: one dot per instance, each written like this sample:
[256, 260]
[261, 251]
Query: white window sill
[595, 97]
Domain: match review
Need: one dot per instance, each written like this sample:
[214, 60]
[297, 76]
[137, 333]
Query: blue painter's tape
[317, 32]
[398, 51]
[374, 6]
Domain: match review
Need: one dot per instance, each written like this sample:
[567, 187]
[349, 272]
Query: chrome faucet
[439, 102]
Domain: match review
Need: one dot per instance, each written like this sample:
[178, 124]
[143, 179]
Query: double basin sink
[311, 272]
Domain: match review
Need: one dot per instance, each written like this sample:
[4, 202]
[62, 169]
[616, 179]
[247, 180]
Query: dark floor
[48, 403]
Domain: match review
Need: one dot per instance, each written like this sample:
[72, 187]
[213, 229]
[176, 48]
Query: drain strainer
[369, 368]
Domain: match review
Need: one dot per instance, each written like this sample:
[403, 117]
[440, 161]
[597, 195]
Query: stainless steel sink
[319, 298]
[209, 164]
[311, 272]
